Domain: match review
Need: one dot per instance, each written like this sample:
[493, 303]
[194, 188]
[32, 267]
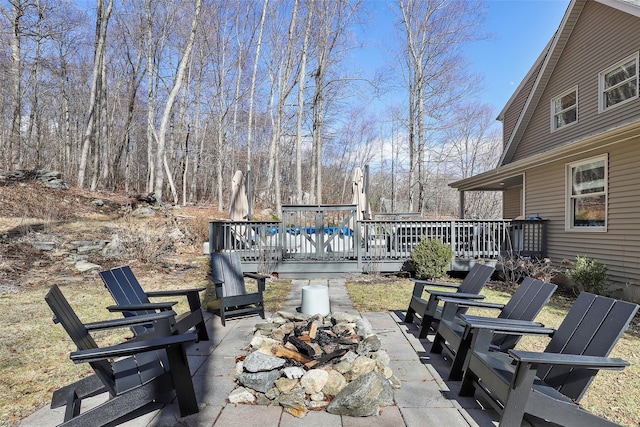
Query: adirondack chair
[132, 300]
[232, 298]
[524, 305]
[145, 371]
[549, 385]
[430, 310]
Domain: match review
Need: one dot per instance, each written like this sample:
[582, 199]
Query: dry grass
[34, 355]
[613, 394]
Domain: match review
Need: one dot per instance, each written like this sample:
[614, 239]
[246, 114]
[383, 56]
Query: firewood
[313, 331]
[280, 351]
[302, 346]
[324, 359]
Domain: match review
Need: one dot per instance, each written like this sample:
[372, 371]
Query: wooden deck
[329, 241]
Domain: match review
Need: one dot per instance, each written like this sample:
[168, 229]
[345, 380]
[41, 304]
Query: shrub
[588, 275]
[430, 259]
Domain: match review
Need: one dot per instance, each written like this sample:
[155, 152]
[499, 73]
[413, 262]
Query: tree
[434, 32]
[161, 159]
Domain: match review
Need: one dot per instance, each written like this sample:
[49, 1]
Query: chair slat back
[476, 279]
[125, 288]
[66, 316]
[592, 327]
[525, 304]
[226, 267]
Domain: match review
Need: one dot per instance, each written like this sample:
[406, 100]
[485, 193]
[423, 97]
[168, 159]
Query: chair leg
[438, 342]
[408, 318]
[425, 325]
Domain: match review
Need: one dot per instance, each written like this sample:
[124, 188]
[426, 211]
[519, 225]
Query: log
[302, 346]
[280, 351]
[325, 358]
[313, 331]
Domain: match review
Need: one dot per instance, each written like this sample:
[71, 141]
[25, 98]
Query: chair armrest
[459, 295]
[260, 278]
[144, 306]
[144, 319]
[173, 292]
[471, 303]
[256, 276]
[578, 360]
[495, 320]
[423, 283]
[214, 280]
[130, 348]
[506, 326]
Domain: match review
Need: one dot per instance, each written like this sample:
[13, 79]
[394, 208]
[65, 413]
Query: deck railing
[330, 233]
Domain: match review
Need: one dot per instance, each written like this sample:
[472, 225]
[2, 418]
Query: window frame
[601, 86]
[555, 113]
[569, 197]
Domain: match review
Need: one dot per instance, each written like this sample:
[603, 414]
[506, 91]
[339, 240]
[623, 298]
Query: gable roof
[549, 58]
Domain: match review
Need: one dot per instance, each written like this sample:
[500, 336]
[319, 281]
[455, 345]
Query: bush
[588, 275]
[430, 259]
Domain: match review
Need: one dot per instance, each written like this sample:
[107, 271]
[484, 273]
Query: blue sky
[519, 30]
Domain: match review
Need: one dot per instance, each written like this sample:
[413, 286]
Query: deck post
[461, 205]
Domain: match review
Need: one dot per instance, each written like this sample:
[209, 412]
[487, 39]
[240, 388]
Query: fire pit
[303, 363]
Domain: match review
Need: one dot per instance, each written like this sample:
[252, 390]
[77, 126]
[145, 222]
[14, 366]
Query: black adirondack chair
[430, 311]
[132, 300]
[524, 305]
[232, 299]
[145, 371]
[549, 385]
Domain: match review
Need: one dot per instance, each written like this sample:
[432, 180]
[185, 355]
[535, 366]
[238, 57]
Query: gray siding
[602, 37]
[619, 246]
[511, 203]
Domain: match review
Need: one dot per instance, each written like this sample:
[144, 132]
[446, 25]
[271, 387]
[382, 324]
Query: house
[571, 150]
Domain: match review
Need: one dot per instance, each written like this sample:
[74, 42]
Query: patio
[423, 399]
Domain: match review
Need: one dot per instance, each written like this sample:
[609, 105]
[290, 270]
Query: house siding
[511, 203]
[619, 246]
[602, 37]
[512, 114]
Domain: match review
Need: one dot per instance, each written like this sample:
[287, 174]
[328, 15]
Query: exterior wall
[513, 112]
[512, 203]
[602, 37]
[619, 246]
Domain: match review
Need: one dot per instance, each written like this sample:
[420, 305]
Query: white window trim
[553, 107]
[568, 205]
[601, 98]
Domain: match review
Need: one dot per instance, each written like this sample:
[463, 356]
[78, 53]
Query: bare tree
[434, 30]
[161, 159]
[102, 21]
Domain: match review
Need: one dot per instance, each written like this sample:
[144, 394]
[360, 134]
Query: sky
[519, 30]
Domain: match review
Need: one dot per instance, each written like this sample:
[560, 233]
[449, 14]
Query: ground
[30, 213]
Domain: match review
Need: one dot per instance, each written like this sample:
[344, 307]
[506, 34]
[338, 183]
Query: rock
[341, 317]
[363, 328]
[285, 385]
[314, 380]
[294, 372]
[241, 395]
[143, 212]
[84, 266]
[44, 246]
[293, 403]
[381, 357]
[98, 202]
[259, 381]
[286, 314]
[96, 247]
[363, 396]
[361, 366]
[260, 342]
[335, 383]
[260, 362]
[114, 248]
[369, 345]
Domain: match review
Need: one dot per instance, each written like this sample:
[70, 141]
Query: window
[587, 195]
[564, 109]
[618, 83]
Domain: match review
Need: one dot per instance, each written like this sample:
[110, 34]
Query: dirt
[31, 213]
